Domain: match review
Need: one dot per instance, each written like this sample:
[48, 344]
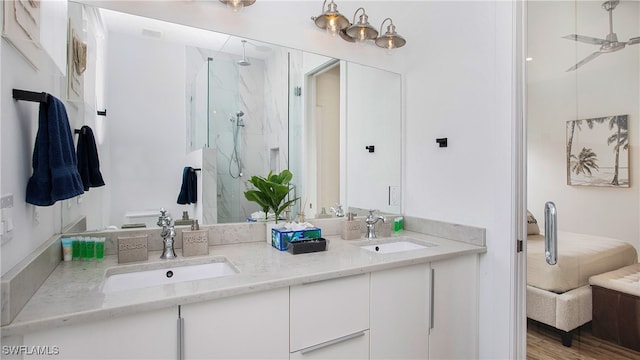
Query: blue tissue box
[281, 238]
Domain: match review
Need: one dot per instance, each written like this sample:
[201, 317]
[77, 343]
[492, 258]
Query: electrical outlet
[6, 201]
[6, 217]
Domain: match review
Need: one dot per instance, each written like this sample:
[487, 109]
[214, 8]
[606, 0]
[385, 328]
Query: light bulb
[361, 37]
[236, 5]
[332, 26]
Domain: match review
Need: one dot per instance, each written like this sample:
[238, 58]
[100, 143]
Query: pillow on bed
[532, 224]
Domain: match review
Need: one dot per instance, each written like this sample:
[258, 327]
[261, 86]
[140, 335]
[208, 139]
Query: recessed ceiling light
[529, 59]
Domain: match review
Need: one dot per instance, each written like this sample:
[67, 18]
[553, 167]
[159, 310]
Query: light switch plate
[394, 195]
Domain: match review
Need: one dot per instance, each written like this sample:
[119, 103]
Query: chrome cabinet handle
[331, 342]
[180, 336]
[432, 295]
[550, 233]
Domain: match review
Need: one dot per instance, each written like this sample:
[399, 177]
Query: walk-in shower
[235, 162]
[229, 109]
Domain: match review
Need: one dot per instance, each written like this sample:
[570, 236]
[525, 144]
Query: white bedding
[579, 257]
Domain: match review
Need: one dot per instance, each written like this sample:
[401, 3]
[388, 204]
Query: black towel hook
[33, 96]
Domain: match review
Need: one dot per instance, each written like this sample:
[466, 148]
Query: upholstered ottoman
[616, 306]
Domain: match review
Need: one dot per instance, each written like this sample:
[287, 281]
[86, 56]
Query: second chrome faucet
[371, 221]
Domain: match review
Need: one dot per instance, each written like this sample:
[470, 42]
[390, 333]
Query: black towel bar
[30, 96]
[102, 112]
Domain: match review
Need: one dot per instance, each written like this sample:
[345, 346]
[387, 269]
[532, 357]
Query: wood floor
[543, 343]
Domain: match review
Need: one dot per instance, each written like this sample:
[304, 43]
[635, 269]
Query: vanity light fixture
[390, 39]
[362, 30]
[330, 20]
[237, 5]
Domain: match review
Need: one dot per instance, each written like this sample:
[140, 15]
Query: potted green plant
[270, 192]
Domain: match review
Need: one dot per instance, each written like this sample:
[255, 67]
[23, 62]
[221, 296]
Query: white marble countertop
[73, 292]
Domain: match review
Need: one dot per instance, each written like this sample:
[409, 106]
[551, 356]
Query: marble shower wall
[260, 92]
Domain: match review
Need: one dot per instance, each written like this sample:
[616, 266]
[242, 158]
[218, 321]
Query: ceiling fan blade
[585, 39]
[584, 61]
[635, 40]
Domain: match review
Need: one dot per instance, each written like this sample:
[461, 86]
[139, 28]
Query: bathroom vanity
[346, 302]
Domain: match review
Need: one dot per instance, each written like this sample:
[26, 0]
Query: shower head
[239, 113]
[244, 61]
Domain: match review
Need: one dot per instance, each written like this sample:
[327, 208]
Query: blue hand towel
[88, 162]
[55, 171]
[188, 190]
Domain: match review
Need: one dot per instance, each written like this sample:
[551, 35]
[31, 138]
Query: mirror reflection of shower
[244, 61]
[235, 162]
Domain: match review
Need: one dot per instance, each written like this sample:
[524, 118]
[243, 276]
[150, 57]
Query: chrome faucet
[168, 233]
[338, 210]
[371, 221]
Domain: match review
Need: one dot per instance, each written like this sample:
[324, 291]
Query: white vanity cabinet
[454, 325]
[420, 311]
[149, 335]
[400, 312]
[251, 326]
[330, 319]
[426, 311]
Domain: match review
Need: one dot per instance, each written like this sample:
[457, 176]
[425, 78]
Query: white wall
[374, 111]
[459, 85]
[33, 225]
[608, 85]
[458, 69]
[146, 127]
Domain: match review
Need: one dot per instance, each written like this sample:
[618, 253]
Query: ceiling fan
[611, 44]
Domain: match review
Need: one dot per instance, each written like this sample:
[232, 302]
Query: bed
[560, 295]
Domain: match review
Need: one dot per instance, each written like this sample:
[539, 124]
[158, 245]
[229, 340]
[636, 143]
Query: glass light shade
[333, 25]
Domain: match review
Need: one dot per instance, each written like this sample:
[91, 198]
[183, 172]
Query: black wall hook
[371, 148]
[24, 95]
[442, 142]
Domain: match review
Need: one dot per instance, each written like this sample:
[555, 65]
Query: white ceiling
[142, 26]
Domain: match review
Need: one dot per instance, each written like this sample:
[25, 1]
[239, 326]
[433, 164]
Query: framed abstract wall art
[21, 27]
[598, 151]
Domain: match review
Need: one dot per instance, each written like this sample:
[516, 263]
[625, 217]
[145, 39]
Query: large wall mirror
[230, 107]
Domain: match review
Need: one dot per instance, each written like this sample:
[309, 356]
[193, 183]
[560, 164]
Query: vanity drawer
[353, 347]
[328, 310]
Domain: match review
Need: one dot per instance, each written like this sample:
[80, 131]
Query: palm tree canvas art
[598, 151]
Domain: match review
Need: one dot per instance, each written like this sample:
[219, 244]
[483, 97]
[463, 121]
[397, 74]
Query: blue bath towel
[55, 171]
[88, 162]
[188, 190]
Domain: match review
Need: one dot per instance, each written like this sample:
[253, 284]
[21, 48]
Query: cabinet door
[353, 346]
[251, 326]
[148, 335]
[400, 313]
[454, 332]
[328, 310]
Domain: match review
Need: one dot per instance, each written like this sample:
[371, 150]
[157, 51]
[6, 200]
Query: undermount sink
[130, 277]
[400, 244]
